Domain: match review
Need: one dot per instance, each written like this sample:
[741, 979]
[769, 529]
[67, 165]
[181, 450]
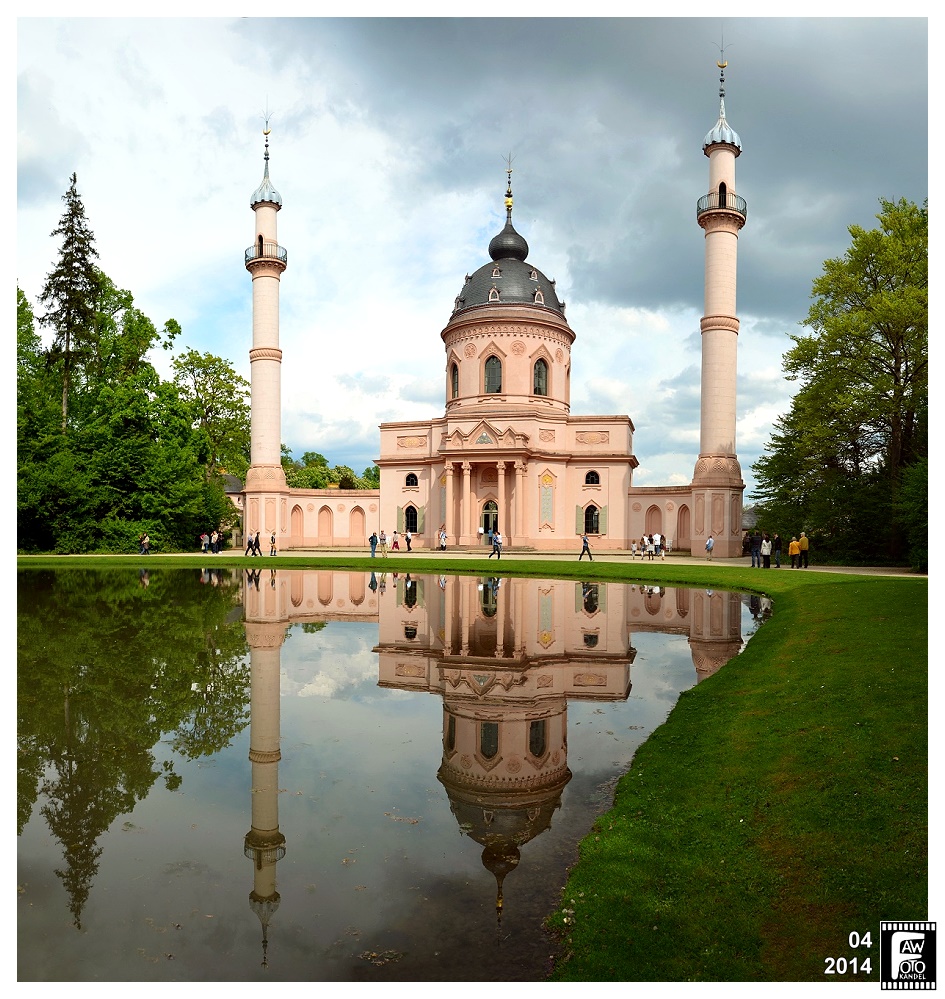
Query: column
[505, 521]
[448, 512]
[468, 530]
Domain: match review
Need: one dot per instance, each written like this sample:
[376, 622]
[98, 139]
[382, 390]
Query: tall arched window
[537, 737]
[541, 377]
[493, 374]
[723, 195]
[488, 739]
[592, 520]
[410, 519]
[454, 381]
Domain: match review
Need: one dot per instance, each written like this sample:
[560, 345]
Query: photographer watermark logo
[907, 956]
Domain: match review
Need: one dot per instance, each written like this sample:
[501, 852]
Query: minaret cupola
[722, 132]
[266, 193]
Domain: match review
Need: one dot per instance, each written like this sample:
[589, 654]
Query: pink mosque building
[507, 452]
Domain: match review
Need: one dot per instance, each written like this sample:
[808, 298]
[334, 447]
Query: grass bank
[781, 807]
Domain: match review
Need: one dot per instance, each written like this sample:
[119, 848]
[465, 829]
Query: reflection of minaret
[264, 843]
[266, 490]
[715, 634]
[717, 484]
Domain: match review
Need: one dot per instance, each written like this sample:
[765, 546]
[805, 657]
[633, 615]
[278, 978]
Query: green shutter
[421, 511]
[602, 520]
[400, 520]
[578, 598]
[578, 520]
[602, 597]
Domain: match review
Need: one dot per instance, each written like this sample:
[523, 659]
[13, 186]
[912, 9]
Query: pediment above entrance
[483, 436]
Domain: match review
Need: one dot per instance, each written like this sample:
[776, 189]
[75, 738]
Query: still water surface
[301, 775]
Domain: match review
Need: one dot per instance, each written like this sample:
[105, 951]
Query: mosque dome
[509, 279]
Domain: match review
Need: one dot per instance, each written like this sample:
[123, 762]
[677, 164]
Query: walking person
[204, 542]
[585, 549]
[372, 541]
[709, 545]
[383, 544]
[776, 549]
[256, 549]
[443, 540]
[804, 544]
[250, 539]
[408, 537]
[649, 547]
[215, 542]
[496, 544]
[794, 550]
[395, 544]
[756, 550]
[633, 550]
[766, 551]
[272, 544]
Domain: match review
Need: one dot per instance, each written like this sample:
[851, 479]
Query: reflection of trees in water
[106, 669]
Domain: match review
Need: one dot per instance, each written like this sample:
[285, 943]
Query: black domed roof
[509, 278]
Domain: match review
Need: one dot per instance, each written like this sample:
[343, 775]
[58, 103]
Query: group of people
[211, 542]
[390, 544]
[253, 546]
[144, 544]
[762, 546]
[651, 546]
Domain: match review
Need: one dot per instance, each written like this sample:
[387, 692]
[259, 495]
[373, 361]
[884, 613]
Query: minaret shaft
[717, 484]
[266, 489]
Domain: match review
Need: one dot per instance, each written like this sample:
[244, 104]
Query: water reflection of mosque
[505, 655]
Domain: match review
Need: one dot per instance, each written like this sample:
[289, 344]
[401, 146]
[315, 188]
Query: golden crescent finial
[722, 65]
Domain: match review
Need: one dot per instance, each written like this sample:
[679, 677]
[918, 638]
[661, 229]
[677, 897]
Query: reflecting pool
[301, 775]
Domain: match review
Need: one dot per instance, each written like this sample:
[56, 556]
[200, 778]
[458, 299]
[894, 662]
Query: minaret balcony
[726, 202]
[266, 251]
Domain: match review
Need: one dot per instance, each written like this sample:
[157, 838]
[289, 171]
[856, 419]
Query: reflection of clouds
[333, 662]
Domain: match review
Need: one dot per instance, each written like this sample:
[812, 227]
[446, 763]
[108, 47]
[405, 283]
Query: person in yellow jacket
[794, 550]
[804, 545]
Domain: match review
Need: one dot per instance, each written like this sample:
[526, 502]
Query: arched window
[493, 374]
[454, 381]
[411, 479]
[451, 733]
[488, 739]
[541, 377]
[493, 294]
[723, 195]
[592, 479]
[410, 600]
[410, 518]
[590, 641]
[590, 594]
[592, 520]
[537, 737]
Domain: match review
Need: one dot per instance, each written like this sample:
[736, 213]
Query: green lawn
[781, 807]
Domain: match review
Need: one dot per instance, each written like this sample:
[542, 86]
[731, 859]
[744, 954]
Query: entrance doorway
[489, 521]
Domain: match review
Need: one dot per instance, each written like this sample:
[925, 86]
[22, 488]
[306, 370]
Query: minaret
[717, 484]
[266, 489]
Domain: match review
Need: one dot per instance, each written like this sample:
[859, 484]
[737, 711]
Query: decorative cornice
[718, 323]
[265, 354]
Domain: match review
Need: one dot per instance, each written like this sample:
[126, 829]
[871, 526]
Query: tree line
[848, 462]
[107, 449]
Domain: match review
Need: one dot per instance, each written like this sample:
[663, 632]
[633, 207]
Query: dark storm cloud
[605, 119]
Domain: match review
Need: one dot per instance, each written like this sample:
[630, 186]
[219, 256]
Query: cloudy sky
[388, 146]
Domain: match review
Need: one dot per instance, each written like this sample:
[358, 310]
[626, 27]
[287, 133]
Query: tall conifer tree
[69, 293]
